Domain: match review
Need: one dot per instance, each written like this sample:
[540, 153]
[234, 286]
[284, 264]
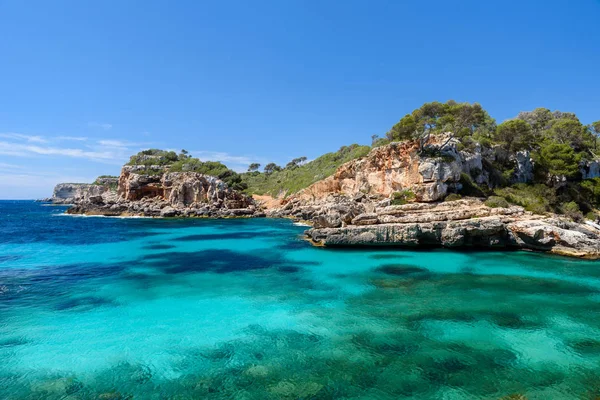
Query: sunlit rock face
[68, 192]
[523, 167]
[153, 191]
[395, 167]
[72, 193]
[462, 223]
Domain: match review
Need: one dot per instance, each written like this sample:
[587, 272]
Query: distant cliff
[151, 188]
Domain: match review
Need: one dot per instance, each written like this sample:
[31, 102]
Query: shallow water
[105, 308]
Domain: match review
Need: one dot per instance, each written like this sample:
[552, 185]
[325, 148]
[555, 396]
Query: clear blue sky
[83, 84]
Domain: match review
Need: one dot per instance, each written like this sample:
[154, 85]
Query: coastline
[444, 225]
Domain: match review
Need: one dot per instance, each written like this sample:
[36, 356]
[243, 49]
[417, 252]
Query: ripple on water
[266, 316]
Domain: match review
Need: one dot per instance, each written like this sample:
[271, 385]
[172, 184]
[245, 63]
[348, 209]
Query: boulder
[168, 212]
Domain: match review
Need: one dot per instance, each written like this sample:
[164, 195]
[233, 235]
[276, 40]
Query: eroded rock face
[392, 168]
[73, 193]
[557, 236]
[462, 223]
[65, 193]
[523, 167]
[165, 194]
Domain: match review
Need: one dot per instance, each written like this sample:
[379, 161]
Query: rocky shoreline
[176, 194]
[353, 207]
[460, 224]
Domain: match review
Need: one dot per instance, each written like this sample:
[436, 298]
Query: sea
[140, 308]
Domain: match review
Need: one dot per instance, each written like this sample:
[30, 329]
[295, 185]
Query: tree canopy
[271, 167]
[253, 167]
[559, 160]
[462, 119]
[515, 135]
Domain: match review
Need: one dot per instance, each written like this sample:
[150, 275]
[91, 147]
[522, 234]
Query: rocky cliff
[144, 191]
[353, 207]
[396, 167]
[461, 223]
[72, 193]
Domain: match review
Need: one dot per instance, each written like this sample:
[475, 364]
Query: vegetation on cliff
[299, 174]
[184, 162]
[555, 144]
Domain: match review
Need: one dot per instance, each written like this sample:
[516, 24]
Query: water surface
[108, 308]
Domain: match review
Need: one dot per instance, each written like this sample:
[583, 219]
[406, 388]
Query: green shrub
[153, 157]
[538, 198]
[497, 202]
[591, 216]
[289, 181]
[453, 197]
[571, 210]
[402, 197]
[591, 187]
[470, 188]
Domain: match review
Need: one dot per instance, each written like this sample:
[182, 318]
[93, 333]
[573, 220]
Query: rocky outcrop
[523, 167]
[462, 223]
[395, 167]
[164, 194]
[354, 206]
[66, 193]
[73, 193]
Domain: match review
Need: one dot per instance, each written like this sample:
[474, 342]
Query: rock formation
[71, 193]
[461, 223]
[395, 167]
[143, 191]
[353, 206]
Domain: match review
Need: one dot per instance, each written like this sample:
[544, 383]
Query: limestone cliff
[395, 167]
[73, 193]
[353, 207]
[145, 191]
[462, 223]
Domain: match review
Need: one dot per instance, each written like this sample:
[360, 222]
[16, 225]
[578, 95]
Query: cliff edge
[155, 191]
[361, 205]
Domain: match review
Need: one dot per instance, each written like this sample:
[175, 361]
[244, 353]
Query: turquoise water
[108, 308]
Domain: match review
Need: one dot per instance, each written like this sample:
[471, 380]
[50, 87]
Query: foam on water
[148, 308]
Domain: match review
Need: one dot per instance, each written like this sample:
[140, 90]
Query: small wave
[101, 216]
[301, 224]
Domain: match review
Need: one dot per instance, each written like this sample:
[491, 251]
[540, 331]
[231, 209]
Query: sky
[85, 84]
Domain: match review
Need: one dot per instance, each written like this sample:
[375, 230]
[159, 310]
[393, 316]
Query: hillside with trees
[156, 161]
[298, 173]
[556, 144]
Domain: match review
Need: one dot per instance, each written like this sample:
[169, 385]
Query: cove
[106, 308]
